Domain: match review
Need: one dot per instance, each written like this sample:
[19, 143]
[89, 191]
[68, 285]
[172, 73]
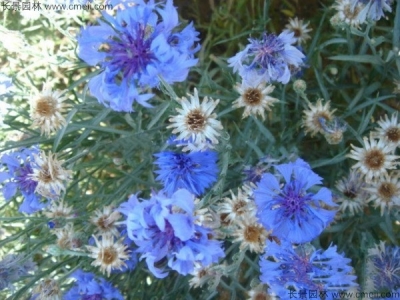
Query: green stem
[396, 35]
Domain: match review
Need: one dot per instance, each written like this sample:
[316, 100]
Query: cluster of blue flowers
[88, 286]
[296, 215]
[12, 268]
[15, 170]
[134, 48]
[166, 234]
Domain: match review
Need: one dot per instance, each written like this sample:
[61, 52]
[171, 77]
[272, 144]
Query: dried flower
[374, 159]
[105, 221]
[385, 192]
[299, 29]
[254, 97]
[389, 130]
[353, 196]
[314, 115]
[108, 253]
[47, 109]
[50, 175]
[251, 234]
[196, 123]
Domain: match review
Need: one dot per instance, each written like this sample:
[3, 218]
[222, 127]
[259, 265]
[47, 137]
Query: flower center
[46, 106]
[252, 97]
[25, 182]
[297, 32]
[45, 175]
[237, 207]
[196, 120]
[267, 51]
[387, 190]
[374, 159]
[183, 163]
[108, 255]
[351, 13]
[252, 233]
[393, 134]
[262, 296]
[350, 194]
[103, 223]
[130, 54]
[225, 221]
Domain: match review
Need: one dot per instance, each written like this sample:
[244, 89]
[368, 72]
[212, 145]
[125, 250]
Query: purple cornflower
[15, 175]
[194, 171]
[304, 268]
[87, 286]
[289, 209]
[166, 234]
[373, 9]
[270, 57]
[383, 267]
[133, 49]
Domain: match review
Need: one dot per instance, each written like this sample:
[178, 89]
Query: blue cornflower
[373, 9]
[304, 268]
[165, 232]
[270, 57]
[289, 209]
[87, 286]
[134, 48]
[383, 267]
[194, 171]
[16, 169]
[12, 268]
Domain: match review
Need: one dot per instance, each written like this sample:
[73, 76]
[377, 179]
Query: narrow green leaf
[370, 59]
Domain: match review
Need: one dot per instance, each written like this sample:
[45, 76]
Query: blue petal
[183, 226]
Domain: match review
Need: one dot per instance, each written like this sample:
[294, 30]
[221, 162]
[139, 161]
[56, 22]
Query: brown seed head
[374, 159]
[108, 255]
[45, 106]
[393, 134]
[252, 97]
[196, 120]
[387, 190]
[252, 233]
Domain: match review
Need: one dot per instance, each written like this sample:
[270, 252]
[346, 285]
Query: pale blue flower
[270, 57]
[12, 268]
[372, 9]
[134, 48]
[163, 228]
[16, 168]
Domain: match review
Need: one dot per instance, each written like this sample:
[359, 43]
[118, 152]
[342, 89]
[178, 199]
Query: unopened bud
[299, 86]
